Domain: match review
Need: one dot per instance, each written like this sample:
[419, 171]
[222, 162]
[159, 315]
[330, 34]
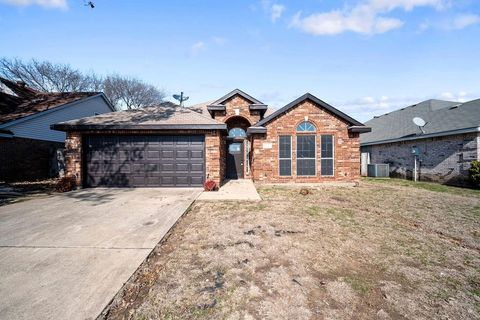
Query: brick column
[73, 156]
[214, 154]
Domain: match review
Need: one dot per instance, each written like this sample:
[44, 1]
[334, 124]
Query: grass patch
[360, 285]
[313, 211]
[430, 186]
[341, 215]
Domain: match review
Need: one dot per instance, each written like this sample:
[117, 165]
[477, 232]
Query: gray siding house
[28, 147]
[445, 146]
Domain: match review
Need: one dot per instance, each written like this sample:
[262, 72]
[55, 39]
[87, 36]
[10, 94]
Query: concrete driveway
[66, 256]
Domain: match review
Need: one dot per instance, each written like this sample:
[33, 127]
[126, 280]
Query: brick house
[28, 147]
[444, 147]
[233, 137]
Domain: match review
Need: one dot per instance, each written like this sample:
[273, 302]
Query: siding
[38, 128]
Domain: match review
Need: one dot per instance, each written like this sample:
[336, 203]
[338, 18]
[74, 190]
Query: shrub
[210, 185]
[65, 184]
[474, 173]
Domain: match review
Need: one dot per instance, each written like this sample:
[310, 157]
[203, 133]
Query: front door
[234, 160]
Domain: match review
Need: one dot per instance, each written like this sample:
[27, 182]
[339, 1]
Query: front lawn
[381, 250]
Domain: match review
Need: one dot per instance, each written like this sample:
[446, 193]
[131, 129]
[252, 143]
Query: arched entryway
[237, 155]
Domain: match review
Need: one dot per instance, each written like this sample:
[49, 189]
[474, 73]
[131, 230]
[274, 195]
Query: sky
[364, 57]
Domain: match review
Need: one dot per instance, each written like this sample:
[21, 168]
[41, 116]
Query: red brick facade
[264, 153]
[265, 165]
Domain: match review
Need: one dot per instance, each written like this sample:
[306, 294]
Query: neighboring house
[28, 147]
[230, 138]
[445, 146]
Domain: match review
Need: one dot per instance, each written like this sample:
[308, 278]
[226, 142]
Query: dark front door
[234, 160]
[144, 161]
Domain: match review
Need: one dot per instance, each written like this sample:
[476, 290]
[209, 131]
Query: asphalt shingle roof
[440, 116]
[18, 101]
[164, 116]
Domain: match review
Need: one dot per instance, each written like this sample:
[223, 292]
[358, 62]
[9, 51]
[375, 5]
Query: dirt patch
[376, 251]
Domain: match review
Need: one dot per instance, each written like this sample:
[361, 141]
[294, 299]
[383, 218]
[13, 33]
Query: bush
[474, 173]
[65, 184]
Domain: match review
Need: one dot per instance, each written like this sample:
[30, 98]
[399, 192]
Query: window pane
[306, 146]
[237, 132]
[285, 167]
[285, 147]
[306, 127]
[327, 146]
[327, 167]
[306, 167]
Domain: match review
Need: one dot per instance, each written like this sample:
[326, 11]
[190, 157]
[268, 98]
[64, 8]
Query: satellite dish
[419, 121]
[180, 97]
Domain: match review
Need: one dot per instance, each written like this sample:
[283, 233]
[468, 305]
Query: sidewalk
[239, 190]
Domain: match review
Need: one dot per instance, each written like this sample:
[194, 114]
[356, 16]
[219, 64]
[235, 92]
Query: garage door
[145, 161]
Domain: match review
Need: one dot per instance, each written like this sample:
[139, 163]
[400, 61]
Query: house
[444, 147]
[28, 147]
[230, 138]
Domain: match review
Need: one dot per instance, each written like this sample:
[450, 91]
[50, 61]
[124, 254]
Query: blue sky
[365, 57]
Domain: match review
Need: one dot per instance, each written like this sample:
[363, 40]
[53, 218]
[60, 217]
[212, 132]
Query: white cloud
[368, 17]
[197, 47]
[457, 22]
[277, 11]
[58, 4]
[465, 20]
[459, 97]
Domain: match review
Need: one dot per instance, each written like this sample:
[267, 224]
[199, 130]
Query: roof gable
[315, 100]
[236, 92]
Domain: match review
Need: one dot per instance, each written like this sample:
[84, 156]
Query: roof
[18, 101]
[311, 97]
[165, 116]
[202, 107]
[236, 92]
[442, 118]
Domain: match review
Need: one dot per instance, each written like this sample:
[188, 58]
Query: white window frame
[291, 155]
[333, 156]
[314, 158]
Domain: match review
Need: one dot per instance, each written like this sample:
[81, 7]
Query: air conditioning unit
[379, 170]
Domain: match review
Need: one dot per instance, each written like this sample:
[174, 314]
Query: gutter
[423, 136]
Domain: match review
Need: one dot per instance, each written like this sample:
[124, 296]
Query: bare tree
[131, 93]
[48, 77]
[44, 76]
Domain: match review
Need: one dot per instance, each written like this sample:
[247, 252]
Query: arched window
[237, 132]
[306, 126]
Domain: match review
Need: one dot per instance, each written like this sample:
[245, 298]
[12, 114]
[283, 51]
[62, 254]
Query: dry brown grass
[376, 251]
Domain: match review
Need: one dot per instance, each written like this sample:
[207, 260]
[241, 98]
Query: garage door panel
[145, 161]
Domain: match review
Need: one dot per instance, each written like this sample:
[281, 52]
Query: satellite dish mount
[180, 98]
[419, 122]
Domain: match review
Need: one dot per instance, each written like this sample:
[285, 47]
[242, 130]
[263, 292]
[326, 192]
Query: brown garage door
[145, 161]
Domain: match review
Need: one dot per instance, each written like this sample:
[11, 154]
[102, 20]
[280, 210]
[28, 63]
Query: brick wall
[444, 159]
[214, 150]
[265, 164]
[27, 159]
[242, 105]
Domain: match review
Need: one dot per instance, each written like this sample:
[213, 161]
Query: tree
[48, 77]
[131, 93]
[123, 92]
